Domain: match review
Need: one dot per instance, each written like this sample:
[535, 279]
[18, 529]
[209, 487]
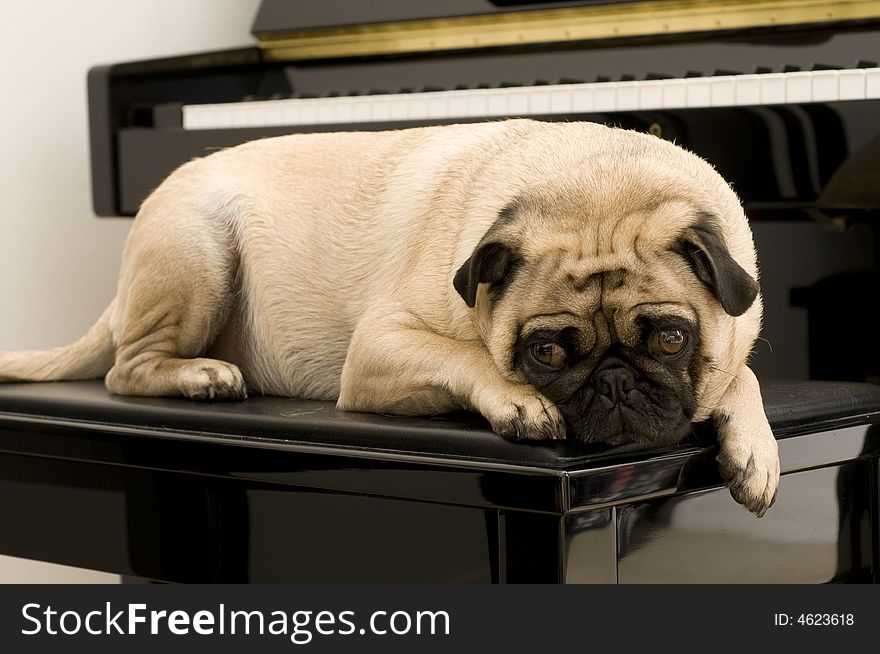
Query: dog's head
[627, 296]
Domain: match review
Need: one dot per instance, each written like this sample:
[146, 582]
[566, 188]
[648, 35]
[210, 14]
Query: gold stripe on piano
[638, 19]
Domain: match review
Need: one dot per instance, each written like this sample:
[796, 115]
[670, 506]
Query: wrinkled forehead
[615, 301]
[610, 255]
[593, 226]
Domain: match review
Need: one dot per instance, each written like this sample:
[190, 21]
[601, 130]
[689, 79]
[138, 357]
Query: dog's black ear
[703, 248]
[491, 262]
[495, 258]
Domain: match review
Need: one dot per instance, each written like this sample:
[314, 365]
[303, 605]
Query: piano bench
[271, 490]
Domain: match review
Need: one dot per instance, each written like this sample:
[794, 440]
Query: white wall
[58, 262]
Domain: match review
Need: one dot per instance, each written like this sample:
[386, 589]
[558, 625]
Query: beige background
[58, 262]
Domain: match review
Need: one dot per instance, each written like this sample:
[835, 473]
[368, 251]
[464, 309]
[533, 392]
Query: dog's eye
[551, 355]
[667, 342]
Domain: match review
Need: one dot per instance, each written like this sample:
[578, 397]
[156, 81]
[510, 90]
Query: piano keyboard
[597, 97]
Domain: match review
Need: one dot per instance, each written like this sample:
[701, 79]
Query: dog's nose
[615, 383]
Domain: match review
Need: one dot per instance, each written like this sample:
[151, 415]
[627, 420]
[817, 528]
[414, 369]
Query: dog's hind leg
[175, 289]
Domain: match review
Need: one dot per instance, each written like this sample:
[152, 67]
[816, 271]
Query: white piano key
[478, 103]
[825, 85]
[627, 96]
[418, 105]
[603, 96]
[698, 92]
[211, 117]
[798, 87]
[343, 112]
[361, 109]
[497, 103]
[539, 100]
[773, 88]
[674, 94]
[191, 118]
[239, 117]
[456, 105]
[222, 115]
[560, 99]
[290, 113]
[233, 115]
[651, 94]
[518, 102]
[255, 114]
[325, 110]
[872, 83]
[723, 91]
[211, 120]
[582, 98]
[438, 105]
[308, 111]
[851, 84]
[272, 113]
[398, 107]
[747, 89]
[381, 109]
[220, 119]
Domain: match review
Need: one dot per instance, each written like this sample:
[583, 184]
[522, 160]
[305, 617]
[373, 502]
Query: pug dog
[561, 279]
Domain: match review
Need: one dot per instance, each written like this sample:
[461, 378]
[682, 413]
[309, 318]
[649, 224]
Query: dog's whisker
[723, 371]
[769, 344]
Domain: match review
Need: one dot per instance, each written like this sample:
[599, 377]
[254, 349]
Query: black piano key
[541, 82]
[602, 78]
[788, 68]
[627, 78]
[432, 89]
[862, 63]
[763, 70]
[508, 85]
[570, 80]
[724, 71]
[824, 67]
[692, 73]
[483, 85]
[651, 76]
[377, 92]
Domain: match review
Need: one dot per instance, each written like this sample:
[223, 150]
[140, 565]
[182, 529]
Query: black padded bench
[273, 489]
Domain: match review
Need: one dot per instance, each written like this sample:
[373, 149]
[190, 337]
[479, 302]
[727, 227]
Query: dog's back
[276, 245]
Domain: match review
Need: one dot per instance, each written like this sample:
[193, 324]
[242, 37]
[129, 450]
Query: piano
[796, 102]
[783, 97]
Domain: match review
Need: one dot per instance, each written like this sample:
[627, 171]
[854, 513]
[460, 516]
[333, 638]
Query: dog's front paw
[209, 379]
[749, 464]
[524, 414]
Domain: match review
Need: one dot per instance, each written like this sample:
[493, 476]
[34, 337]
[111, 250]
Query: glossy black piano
[782, 97]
